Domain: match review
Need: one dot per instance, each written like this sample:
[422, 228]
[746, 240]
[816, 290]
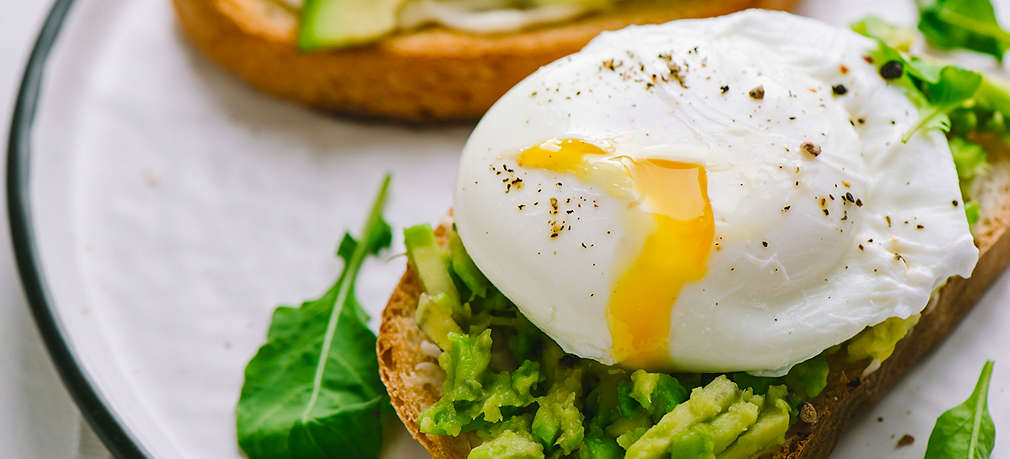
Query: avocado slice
[342, 23]
[436, 307]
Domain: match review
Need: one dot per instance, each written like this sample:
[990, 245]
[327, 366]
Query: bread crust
[425, 75]
[400, 357]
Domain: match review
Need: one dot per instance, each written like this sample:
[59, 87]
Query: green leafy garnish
[952, 87]
[969, 24]
[937, 90]
[313, 389]
[960, 102]
[965, 431]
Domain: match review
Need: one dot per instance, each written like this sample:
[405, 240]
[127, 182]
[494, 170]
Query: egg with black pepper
[713, 195]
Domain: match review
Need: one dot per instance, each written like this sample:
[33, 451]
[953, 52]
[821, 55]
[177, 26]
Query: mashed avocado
[523, 397]
[877, 342]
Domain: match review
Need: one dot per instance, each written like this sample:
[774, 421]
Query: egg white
[790, 276]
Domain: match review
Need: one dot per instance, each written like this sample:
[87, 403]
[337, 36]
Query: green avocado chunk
[465, 268]
[740, 416]
[341, 23]
[810, 377]
[510, 444]
[558, 421]
[877, 342]
[704, 403]
[443, 418]
[600, 447]
[693, 443]
[768, 431]
[628, 430]
[505, 390]
[435, 316]
[658, 393]
[706, 439]
[465, 362]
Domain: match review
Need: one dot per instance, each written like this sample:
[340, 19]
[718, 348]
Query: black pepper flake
[954, 202]
[859, 202]
[521, 206]
[868, 59]
[919, 227]
[724, 89]
[891, 70]
[757, 93]
[860, 246]
[849, 197]
[826, 212]
[764, 243]
[811, 148]
[839, 89]
[904, 441]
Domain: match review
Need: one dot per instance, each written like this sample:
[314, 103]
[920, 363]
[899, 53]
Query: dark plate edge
[116, 437]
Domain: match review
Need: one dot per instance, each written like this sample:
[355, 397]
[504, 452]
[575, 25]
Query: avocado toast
[410, 370]
[445, 317]
[428, 74]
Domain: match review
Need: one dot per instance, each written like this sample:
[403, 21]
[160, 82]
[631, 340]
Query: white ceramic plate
[168, 209]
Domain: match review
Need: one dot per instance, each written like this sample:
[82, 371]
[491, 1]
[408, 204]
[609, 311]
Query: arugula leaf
[953, 87]
[969, 24]
[313, 389]
[935, 89]
[965, 431]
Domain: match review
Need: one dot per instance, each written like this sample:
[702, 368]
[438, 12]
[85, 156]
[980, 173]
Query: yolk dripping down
[674, 196]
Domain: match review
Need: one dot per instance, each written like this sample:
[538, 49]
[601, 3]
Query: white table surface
[37, 417]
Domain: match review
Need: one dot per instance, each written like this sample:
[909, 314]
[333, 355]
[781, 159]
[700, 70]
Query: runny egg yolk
[673, 196]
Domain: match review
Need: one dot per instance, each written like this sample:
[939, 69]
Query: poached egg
[711, 195]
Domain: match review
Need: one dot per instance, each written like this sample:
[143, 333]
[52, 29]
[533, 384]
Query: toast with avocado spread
[470, 376]
[345, 56]
[802, 414]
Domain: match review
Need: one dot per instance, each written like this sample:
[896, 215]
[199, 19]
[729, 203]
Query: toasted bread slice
[413, 378]
[429, 74]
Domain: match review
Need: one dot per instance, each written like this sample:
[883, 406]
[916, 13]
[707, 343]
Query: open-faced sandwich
[411, 59]
[712, 238]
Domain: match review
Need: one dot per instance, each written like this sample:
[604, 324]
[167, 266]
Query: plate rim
[106, 423]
